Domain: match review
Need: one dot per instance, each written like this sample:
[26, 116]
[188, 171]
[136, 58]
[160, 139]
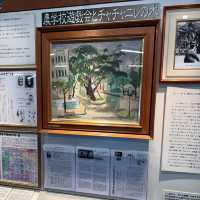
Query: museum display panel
[18, 98]
[97, 79]
[20, 164]
[97, 88]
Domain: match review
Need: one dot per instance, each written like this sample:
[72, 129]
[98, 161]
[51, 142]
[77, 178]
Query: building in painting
[60, 63]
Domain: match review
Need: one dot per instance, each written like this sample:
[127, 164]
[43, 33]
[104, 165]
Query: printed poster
[18, 98]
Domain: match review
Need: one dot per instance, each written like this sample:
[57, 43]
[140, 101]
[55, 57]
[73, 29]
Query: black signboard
[102, 15]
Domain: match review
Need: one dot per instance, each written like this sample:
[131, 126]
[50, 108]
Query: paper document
[18, 98]
[92, 170]
[17, 39]
[59, 162]
[181, 137]
[129, 174]
[20, 157]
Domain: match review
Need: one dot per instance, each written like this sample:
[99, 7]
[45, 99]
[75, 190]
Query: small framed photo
[181, 44]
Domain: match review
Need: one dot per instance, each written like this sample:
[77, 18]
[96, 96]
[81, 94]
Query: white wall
[157, 180]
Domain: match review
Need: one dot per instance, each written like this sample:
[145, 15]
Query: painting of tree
[91, 67]
[103, 79]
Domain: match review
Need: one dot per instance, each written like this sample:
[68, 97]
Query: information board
[129, 174]
[59, 161]
[19, 158]
[181, 137]
[18, 98]
[92, 170]
[17, 40]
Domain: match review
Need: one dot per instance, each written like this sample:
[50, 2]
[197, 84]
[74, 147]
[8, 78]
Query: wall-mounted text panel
[99, 171]
[18, 98]
[181, 150]
[19, 159]
[17, 40]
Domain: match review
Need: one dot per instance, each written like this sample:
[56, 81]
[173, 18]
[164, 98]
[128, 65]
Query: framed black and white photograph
[187, 54]
[181, 44]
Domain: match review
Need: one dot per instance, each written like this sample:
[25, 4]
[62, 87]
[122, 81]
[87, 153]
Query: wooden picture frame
[181, 44]
[90, 35]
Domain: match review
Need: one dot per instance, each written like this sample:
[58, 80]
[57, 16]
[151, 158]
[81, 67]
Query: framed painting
[96, 81]
[181, 44]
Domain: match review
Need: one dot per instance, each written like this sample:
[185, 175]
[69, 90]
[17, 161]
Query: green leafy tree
[91, 66]
[66, 86]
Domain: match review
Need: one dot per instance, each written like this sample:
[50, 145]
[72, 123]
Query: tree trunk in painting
[73, 90]
[64, 98]
[90, 91]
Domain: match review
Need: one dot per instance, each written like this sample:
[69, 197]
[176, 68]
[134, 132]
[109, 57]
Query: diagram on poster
[19, 158]
[17, 39]
[92, 170]
[18, 98]
[181, 136]
[59, 162]
[129, 174]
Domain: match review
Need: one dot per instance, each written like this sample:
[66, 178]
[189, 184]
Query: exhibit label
[92, 170]
[19, 157]
[129, 174]
[17, 39]
[181, 150]
[59, 163]
[18, 98]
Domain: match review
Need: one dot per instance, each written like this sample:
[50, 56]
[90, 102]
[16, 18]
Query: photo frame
[181, 44]
[96, 80]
